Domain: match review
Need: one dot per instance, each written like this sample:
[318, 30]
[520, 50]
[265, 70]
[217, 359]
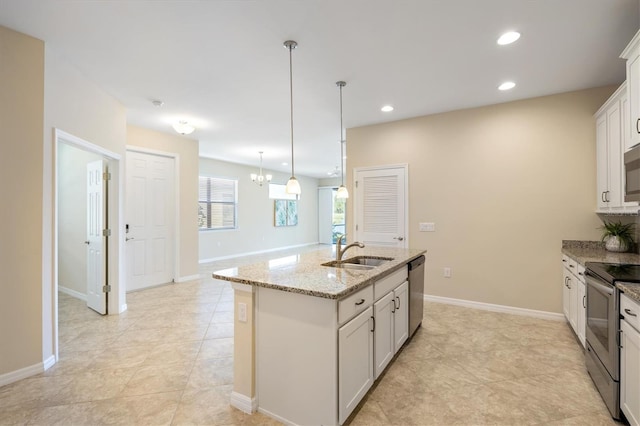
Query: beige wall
[504, 184]
[256, 231]
[72, 217]
[187, 163]
[21, 115]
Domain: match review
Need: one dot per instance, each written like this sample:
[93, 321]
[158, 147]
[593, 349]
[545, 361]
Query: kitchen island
[306, 334]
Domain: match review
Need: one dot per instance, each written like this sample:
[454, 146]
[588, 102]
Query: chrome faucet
[340, 251]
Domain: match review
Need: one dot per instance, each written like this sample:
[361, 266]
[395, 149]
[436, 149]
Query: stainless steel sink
[367, 260]
[359, 262]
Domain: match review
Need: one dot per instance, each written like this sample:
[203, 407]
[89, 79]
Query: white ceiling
[222, 65]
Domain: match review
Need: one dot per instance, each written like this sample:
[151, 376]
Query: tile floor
[168, 360]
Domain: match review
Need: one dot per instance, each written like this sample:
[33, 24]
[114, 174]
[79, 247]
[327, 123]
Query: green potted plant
[617, 237]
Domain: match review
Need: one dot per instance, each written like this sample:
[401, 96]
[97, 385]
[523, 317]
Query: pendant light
[342, 190]
[293, 186]
[260, 178]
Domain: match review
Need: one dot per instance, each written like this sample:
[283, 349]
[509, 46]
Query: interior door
[96, 241]
[380, 206]
[150, 216]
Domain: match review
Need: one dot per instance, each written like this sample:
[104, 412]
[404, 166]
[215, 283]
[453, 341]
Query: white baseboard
[243, 403]
[123, 308]
[25, 372]
[276, 417]
[187, 278]
[495, 308]
[72, 293]
[49, 362]
[233, 256]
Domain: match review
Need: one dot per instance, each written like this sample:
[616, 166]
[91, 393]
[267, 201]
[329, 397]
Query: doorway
[86, 266]
[381, 205]
[331, 215]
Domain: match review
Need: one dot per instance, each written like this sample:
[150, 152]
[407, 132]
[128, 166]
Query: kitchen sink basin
[359, 262]
[367, 260]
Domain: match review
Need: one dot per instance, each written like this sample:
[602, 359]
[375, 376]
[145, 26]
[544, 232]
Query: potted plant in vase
[617, 237]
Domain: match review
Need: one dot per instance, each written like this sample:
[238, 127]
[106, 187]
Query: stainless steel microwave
[632, 174]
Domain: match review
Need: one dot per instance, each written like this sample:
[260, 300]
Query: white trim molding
[243, 403]
[233, 256]
[72, 293]
[187, 278]
[25, 372]
[496, 308]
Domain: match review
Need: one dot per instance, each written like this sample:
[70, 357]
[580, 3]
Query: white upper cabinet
[610, 140]
[632, 55]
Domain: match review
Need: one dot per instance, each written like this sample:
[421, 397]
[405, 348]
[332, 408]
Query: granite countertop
[303, 273]
[630, 289]
[594, 251]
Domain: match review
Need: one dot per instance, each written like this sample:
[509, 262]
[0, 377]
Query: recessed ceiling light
[508, 38]
[507, 85]
[285, 164]
[386, 108]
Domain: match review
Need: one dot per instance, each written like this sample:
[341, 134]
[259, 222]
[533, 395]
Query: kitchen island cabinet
[312, 332]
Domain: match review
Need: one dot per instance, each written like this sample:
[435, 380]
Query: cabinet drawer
[388, 283]
[570, 264]
[580, 273]
[630, 310]
[354, 304]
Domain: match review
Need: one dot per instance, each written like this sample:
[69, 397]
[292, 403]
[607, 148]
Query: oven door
[602, 323]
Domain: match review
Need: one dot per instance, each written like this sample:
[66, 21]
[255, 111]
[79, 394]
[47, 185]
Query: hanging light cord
[291, 46]
[341, 84]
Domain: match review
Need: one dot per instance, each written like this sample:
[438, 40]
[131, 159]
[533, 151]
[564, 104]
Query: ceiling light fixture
[507, 85]
[342, 190]
[157, 103]
[293, 186]
[183, 127]
[508, 38]
[260, 178]
[386, 108]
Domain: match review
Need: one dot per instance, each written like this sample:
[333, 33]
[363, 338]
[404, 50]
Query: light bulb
[293, 186]
[342, 192]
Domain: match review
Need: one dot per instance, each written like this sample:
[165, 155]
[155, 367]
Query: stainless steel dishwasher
[416, 293]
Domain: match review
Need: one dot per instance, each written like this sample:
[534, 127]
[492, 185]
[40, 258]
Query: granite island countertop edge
[360, 280]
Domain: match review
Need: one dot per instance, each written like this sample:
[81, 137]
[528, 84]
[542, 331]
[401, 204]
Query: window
[278, 192]
[217, 203]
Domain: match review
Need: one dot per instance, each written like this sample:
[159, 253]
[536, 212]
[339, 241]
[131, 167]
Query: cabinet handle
[602, 197]
[637, 122]
[619, 338]
[374, 324]
[584, 301]
[360, 302]
[393, 311]
[571, 266]
[564, 260]
[569, 283]
[398, 298]
[630, 313]
[607, 197]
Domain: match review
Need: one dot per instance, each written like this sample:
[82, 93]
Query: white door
[380, 206]
[150, 216]
[96, 241]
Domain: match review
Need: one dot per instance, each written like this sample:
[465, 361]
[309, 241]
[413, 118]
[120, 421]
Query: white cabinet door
[383, 311]
[401, 316]
[614, 146]
[355, 362]
[581, 311]
[566, 294]
[602, 161]
[633, 81]
[630, 373]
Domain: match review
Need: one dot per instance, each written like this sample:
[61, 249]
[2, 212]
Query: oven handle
[594, 283]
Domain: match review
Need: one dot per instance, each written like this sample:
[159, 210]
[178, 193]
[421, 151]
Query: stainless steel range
[603, 325]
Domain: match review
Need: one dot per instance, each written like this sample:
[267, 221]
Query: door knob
[398, 238]
[87, 242]
[127, 239]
